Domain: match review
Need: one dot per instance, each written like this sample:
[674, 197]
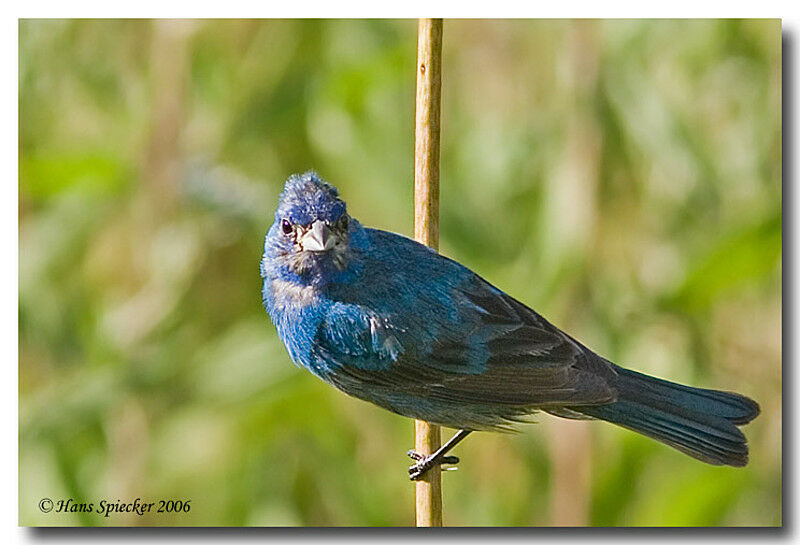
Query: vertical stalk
[574, 186]
[426, 227]
[170, 59]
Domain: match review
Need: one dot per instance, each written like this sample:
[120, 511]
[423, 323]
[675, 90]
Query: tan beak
[319, 238]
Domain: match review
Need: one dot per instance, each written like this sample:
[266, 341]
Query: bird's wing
[492, 350]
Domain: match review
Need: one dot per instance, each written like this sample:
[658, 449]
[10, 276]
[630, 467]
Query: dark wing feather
[528, 362]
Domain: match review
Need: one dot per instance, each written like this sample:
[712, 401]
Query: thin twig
[426, 228]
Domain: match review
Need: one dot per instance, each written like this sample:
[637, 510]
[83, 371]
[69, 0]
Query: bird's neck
[301, 281]
[285, 292]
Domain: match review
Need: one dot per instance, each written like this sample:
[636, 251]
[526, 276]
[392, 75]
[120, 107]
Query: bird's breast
[286, 293]
[296, 310]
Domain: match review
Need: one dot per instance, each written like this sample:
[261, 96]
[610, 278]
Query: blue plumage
[387, 320]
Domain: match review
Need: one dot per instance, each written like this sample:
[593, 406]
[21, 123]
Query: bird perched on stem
[387, 320]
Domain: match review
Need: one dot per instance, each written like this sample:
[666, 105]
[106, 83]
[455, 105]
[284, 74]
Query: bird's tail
[701, 423]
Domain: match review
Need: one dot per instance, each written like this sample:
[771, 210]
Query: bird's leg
[424, 463]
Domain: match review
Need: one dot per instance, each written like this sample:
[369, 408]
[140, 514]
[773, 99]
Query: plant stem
[426, 228]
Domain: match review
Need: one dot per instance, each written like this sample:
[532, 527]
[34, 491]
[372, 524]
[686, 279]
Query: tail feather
[734, 407]
[701, 423]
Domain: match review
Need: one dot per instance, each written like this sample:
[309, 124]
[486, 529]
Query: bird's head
[310, 236]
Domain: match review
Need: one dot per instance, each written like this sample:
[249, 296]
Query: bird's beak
[318, 239]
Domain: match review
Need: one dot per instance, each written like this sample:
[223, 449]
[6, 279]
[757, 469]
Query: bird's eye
[286, 226]
[343, 221]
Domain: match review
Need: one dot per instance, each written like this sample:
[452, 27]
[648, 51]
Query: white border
[408, 8]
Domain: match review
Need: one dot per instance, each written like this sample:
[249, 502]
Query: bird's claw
[424, 463]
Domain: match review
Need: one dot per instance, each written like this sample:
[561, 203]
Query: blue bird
[387, 320]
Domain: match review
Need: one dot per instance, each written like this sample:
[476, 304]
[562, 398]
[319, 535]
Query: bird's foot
[424, 463]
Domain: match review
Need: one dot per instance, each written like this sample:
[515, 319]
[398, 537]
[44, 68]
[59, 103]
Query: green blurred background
[621, 177]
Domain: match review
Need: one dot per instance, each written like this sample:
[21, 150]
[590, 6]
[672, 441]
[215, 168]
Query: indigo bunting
[387, 320]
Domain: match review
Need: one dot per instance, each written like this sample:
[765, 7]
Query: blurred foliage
[622, 177]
